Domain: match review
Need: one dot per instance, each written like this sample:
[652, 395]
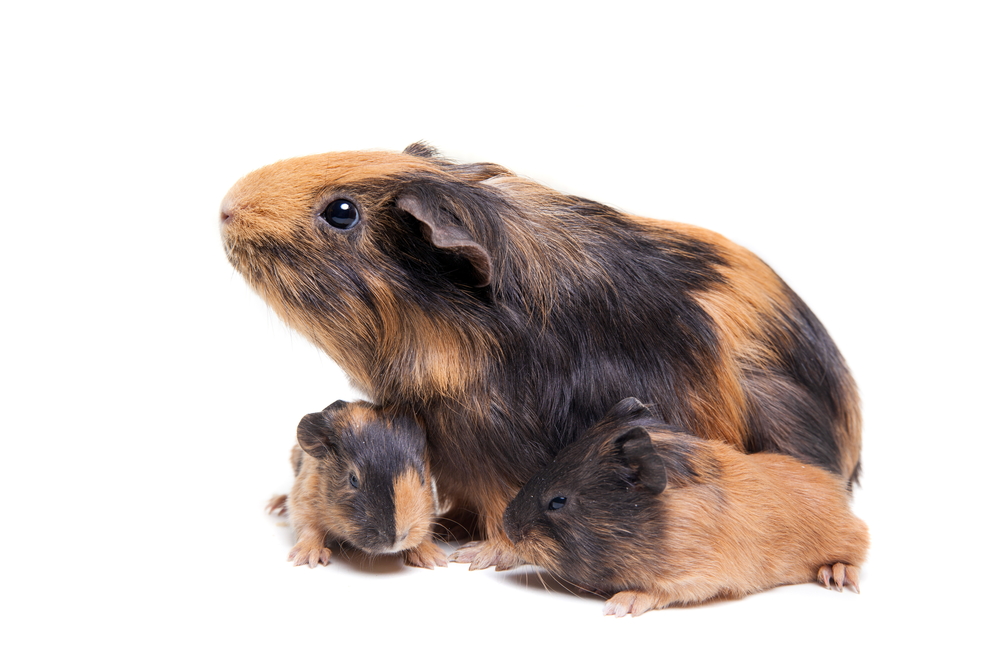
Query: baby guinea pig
[361, 477]
[653, 517]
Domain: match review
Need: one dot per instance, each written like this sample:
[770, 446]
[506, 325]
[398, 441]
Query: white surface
[150, 400]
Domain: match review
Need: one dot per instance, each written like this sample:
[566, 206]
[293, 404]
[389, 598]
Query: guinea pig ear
[421, 149]
[313, 435]
[336, 406]
[476, 172]
[630, 408]
[641, 456]
[440, 229]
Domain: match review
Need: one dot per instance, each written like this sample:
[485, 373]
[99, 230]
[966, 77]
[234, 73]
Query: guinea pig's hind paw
[629, 602]
[311, 556]
[483, 554]
[426, 555]
[841, 575]
[277, 505]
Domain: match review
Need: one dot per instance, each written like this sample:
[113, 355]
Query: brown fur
[768, 520]
[414, 503]
[476, 337]
[324, 505]
[727, 524]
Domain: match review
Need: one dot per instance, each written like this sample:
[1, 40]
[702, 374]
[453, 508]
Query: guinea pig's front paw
[426, 554]
[841, 575]
[483, 554]
[310, 553]
[277, 505]
[632, 602]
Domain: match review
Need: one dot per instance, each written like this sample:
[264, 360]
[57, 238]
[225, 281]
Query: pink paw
[483, 554]
[631, 602]
[841, 575]
[277, 505]
[426, 555]
[309, 554]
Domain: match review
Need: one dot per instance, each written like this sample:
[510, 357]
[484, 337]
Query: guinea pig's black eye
[341, 214]
[354, 480]
[557, 503]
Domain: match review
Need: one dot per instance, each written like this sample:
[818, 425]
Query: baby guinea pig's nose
[510, 527]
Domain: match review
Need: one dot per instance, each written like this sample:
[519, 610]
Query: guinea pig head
[593, 514]
[373, 479]
[366, 252]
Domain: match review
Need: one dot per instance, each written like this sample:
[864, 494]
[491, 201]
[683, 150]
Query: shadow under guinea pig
[538, 579]
[345, 555]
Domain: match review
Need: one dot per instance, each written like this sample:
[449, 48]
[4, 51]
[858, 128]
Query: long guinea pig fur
[509, 317]
[652, 516]
[361, 477]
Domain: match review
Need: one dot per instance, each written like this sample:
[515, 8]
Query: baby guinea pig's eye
[341, 214]
[354, 480]
[557, 503]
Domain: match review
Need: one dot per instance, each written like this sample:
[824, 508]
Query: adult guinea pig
[361, 477]
[509, 317]
[654, 516]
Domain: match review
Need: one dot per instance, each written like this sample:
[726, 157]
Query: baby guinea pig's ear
[314, 435]
[629, 409]
[442, 229]
[641, 456]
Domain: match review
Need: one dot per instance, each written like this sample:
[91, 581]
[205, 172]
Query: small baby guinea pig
[508, 317]
[653, 517]
[361, 477]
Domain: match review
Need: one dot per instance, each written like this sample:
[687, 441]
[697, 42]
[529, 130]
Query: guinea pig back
[510, 317]
[653, 516]
[362, 478]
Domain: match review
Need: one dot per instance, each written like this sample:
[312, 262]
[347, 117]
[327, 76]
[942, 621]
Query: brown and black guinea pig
[652, 516]
[361, 477]
[508, 317]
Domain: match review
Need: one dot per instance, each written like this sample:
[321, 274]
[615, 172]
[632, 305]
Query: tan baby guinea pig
[361, 477]
[653, 517]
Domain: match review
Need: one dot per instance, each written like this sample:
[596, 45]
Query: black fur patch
[609, 519]
[800, 418]
[421, 149]
[377, 452]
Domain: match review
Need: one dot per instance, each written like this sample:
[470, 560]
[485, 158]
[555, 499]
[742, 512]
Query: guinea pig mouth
[386, 544]
[404, 541]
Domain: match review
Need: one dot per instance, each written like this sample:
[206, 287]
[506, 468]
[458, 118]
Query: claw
[840, 575]
[310, 556]
[466, 553]
[851, 577]
[425, 555]
[635, 603]
[483, 554]
[277, 505]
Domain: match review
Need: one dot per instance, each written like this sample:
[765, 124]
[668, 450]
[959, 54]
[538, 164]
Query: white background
[150, 399]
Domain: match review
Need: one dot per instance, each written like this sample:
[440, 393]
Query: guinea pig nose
[226, 210]
[513, 532]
